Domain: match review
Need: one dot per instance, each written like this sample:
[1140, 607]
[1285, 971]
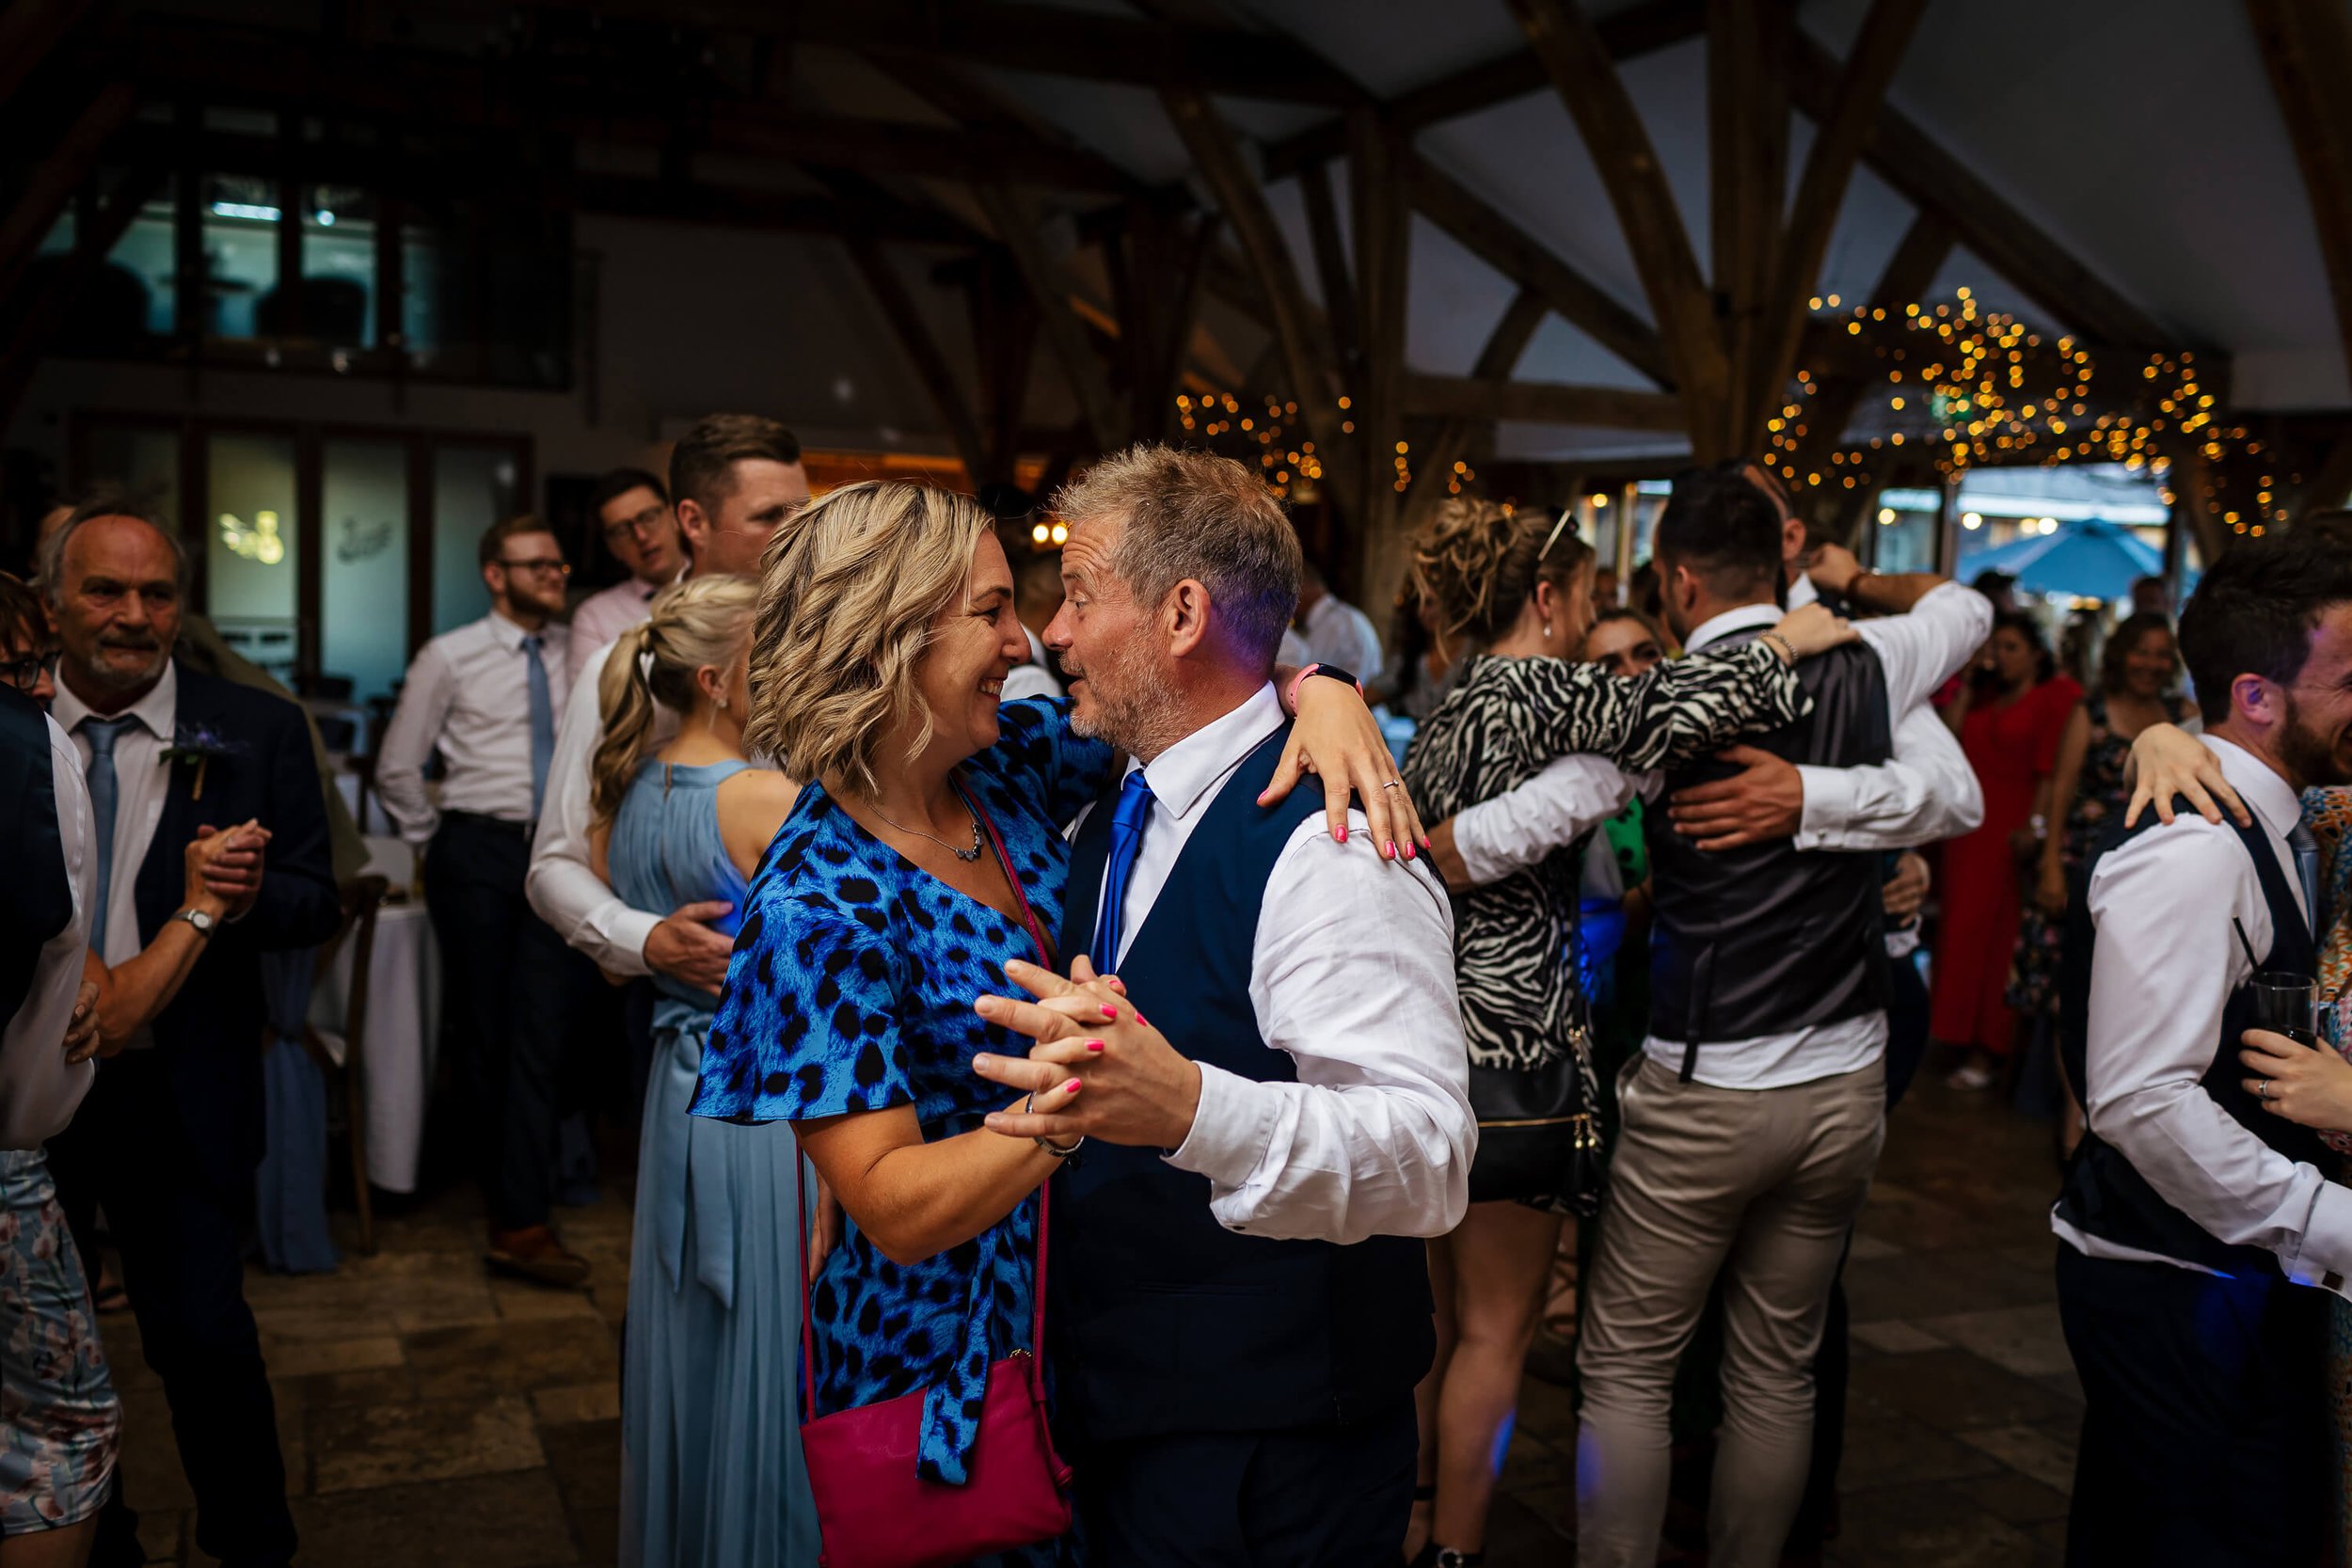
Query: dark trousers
[182, 1249]
[512, 991]
[1330, 1497]
[2204, 1437]
[1906, 1044]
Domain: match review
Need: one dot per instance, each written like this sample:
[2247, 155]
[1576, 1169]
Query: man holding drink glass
[2193, 1217]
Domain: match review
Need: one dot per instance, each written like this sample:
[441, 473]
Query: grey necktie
[542, 721]
[2306, 849]
[105, 794]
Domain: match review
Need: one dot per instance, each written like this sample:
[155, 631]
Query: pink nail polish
[1111, 1014]
[1071, 1087]
[1391, 852]
[1116, 984]
[1094, 1045]
[1341, 834]
[1408, 849]
[1140, 1022]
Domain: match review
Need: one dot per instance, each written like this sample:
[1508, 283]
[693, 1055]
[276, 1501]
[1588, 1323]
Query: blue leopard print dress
[852, 990]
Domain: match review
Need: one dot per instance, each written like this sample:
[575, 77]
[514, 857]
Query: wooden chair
[361, 898]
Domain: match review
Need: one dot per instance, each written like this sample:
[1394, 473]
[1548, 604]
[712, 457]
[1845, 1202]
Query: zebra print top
[1515, 940]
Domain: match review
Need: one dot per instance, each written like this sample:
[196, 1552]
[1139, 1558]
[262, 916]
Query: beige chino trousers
[1762, 1185]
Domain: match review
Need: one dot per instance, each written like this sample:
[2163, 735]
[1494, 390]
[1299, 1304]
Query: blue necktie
[1127, 819]
[542, 721]
[2306, 849]
[101, 734]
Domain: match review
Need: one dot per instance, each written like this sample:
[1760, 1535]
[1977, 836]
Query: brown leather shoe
[532, 1253]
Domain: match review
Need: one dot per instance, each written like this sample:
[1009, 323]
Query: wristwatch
[205, 924]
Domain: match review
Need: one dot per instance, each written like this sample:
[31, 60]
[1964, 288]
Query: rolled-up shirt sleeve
[1923, 793]
[426, 698]
[563, 884]
[1352, 974]
[1519, 827]
[2162, 974]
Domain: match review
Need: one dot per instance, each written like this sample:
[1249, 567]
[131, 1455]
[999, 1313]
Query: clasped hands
[1098, 1070]
[225, 865]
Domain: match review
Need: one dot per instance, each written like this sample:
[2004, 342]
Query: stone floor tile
[517, 1302]
[2023, 1339]
[1888, 1448]
[1867, 1248]
[424, 1440]
[1929, 1527]
[1531, 1464]
[1896, 1338]
[2016, 1498]
[503, 1521]
[309, 1357]
[369, 1385]
[2046, 1452]
[585, 1460]
[1951, 1391]
[569, 1405]
[596, 1531]
[1923, 1284]
[512, 1357]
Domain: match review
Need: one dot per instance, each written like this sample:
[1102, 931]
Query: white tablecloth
[402, 1024]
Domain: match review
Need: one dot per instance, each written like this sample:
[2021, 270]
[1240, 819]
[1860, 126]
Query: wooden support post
[915, 337]
[1381, 221]
[1016, 229]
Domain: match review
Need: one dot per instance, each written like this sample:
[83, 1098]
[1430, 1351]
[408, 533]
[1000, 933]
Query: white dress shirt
[468, 696]
[1351, 974]
[38, 1087]
[563, 884]
[602, 616]
[1336, 633]
[1033, 679]
[1911, 804]
[2165, 965]
[141, 782]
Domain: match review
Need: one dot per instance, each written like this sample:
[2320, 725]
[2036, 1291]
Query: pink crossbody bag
[873, 1511]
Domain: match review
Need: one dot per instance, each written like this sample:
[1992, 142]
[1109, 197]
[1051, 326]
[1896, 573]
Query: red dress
[2013, 749]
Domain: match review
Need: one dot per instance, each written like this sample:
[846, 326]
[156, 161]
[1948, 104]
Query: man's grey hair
[1194, 514]
[50, 563]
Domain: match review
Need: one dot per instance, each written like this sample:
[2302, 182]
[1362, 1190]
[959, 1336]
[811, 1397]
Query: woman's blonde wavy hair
[850, 593]
[700, 622]
[1473, 564]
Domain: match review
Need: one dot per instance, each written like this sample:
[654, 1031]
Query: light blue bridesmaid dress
[711, 1450]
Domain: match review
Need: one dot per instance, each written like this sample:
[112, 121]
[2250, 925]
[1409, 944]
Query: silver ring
[2261, 1088]
[1392, 783]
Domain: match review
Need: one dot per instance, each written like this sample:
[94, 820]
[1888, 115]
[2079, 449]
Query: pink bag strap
[1045, 1190]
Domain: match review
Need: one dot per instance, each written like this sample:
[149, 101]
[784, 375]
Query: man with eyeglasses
[486, 696]
[632, 509]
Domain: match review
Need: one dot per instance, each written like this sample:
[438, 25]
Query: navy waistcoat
[2104, 1195]
[1768, 939]
[1166, 1322]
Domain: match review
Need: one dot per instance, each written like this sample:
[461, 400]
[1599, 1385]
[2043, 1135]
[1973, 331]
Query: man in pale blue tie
[484, 696]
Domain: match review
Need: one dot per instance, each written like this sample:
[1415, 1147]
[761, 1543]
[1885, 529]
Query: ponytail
[624, 698]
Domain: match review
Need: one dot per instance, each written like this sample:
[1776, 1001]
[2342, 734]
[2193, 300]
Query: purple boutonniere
[198, 744]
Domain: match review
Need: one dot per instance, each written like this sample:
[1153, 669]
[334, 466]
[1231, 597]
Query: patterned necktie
[1127, 819]
[542, 721]
[2306, 849]
[105, 794]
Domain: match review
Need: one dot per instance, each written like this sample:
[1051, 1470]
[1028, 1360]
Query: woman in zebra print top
[1516, 590]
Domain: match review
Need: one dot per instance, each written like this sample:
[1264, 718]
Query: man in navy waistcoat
[1239, 1307]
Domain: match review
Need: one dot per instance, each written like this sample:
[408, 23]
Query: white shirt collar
[1716, 627]
[1802, 592]
[2259, 785]
[1037, 649]
[157, 711]
[506, 634]
[1182, 776]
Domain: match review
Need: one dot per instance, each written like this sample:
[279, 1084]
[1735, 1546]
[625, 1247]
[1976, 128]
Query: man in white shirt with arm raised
[734, 480]
[2191, 1222]
[1242, 1306]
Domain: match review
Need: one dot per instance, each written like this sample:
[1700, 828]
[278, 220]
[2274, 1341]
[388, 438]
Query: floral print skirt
[60, 1424]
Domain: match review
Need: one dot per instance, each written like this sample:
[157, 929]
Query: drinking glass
[2288, 1004]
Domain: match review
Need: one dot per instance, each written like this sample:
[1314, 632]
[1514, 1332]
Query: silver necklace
[967, 856]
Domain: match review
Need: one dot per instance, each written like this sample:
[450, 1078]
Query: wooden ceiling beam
[1462, 439]
[2307, 48]
[1838, 137]
[1629, 34]
[1090, 383]
[1216, 155]
[1541, 403]
[1747, 124]
[1935, 180]
[61, 173]
[922, 349]
[30, 31]
[1483, 230]
[1917, 258]
[1595, 95]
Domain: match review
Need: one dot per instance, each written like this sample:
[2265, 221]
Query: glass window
[363, 603]
[145, 251]
[472, 488]
[339, 266]
[240, 226]
[249, 547]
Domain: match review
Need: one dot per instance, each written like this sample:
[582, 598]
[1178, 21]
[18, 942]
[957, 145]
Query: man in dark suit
[169, 1137]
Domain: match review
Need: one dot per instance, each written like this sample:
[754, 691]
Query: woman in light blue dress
[711, 1451]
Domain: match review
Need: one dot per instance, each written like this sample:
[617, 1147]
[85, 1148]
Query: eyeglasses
[537, 563]
[24, 671]
[645, 519]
